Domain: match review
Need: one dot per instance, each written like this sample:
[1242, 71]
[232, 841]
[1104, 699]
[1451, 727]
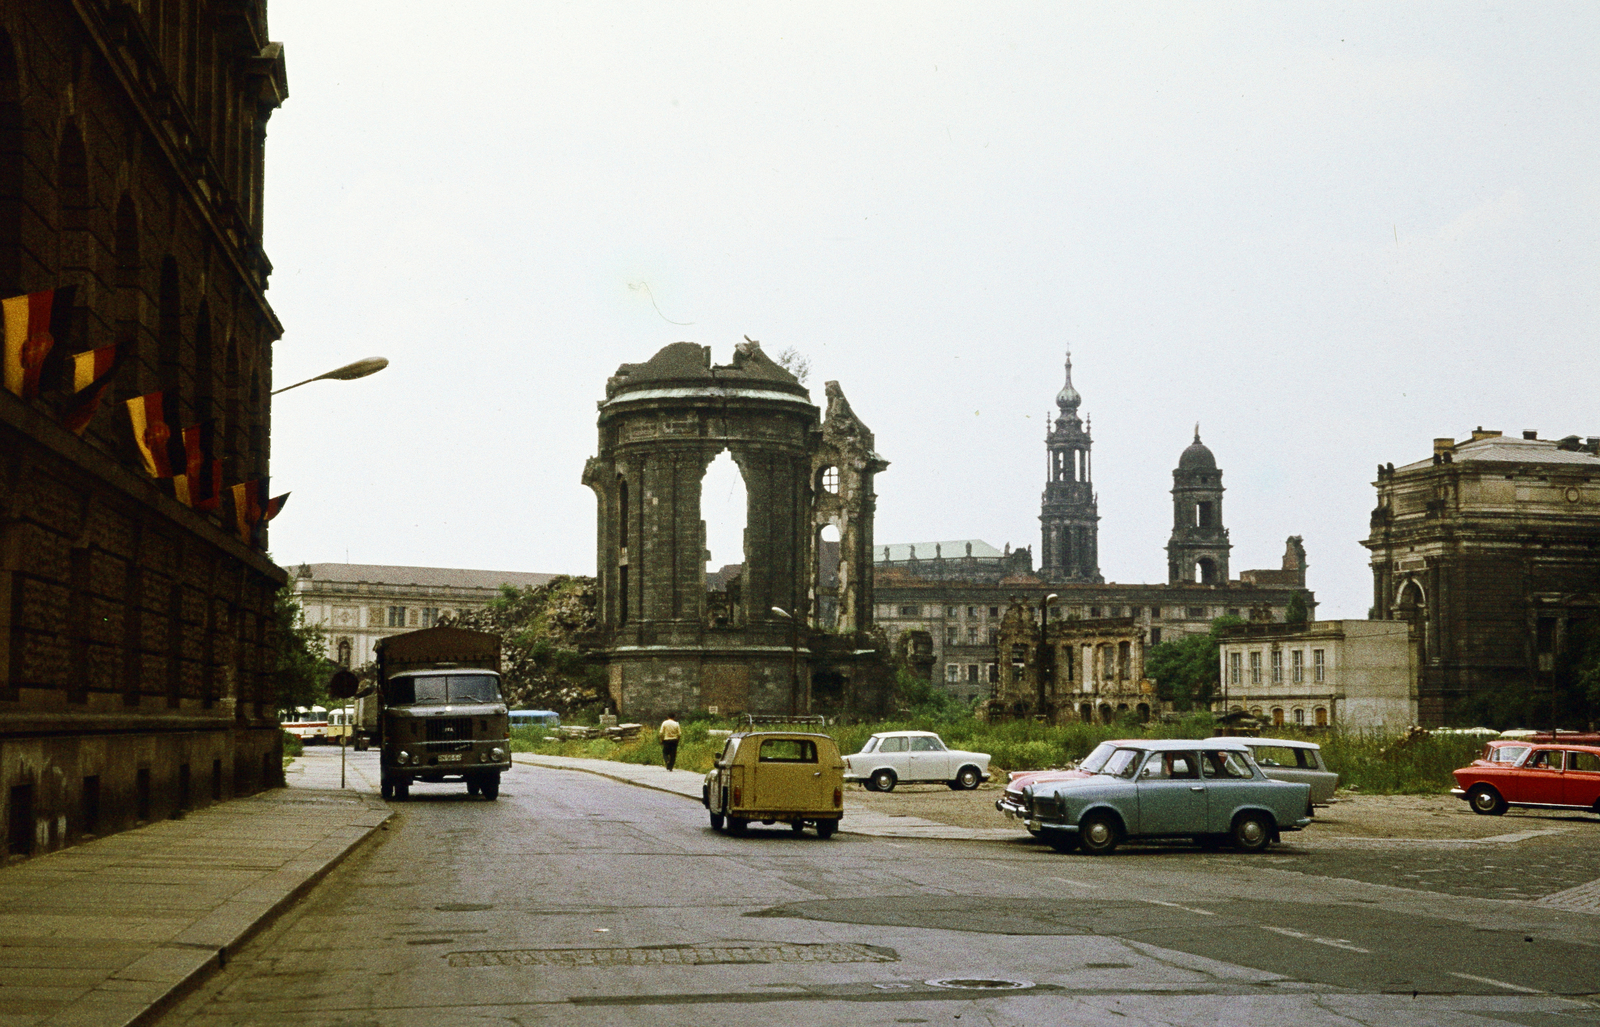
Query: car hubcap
[1483, 800]
[1252, 831]
[1099, 834]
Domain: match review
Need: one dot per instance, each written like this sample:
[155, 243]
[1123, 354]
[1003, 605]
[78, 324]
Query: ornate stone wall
[1077, 670]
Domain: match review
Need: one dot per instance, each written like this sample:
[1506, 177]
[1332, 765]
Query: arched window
[1277, 716]
[1299, 717]
[344, 653]
[1321, 715]
[168, 330]
[828, 480]
[72, 169]
[204, 386]
[12, 164]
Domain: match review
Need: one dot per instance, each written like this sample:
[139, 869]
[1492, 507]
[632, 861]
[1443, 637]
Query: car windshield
[443, 688]
[1123, 763]
[1508, 753]
[1097, 758]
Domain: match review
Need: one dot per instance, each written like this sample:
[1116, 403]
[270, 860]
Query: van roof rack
[775, 719]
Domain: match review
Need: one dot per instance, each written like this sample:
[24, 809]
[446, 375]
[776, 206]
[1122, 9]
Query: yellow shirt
[669, 730]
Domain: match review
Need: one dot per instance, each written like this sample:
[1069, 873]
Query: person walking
[669, 732]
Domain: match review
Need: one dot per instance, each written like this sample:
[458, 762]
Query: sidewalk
[107, 933]
[687, 783]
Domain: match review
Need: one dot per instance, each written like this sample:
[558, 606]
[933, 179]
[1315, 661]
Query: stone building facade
[355, 604]
[668, 642]
[1491, 549]
[135, 632]
[1071, 670]
[1360, 675]
[1199, 546]
[1069, 514]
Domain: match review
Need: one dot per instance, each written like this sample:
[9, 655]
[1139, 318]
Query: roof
[926, 550]
[1505, 450]
[421, 577]
[1183, 744]
[1287, 743]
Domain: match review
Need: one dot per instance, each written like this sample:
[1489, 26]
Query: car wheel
[491, 786]
[1098, 834]
[1485, 801]
[969, 778]
[1061, 841]
[717, 820]
[883, 781]
[825, 828]
[736, 825]
[1252, 832]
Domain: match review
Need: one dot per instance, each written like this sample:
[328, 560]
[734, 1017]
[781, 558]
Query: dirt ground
[1353, 815]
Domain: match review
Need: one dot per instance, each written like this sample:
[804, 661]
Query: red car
[1547, 775]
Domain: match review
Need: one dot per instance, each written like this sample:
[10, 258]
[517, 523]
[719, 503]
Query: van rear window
[787, 750]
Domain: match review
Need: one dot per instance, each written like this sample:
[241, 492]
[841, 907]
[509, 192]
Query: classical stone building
[1491, 548]
[669, 643]
[1360, 675]
[356, 604]
[1072, 670]
[135, 632]
[1198, 548]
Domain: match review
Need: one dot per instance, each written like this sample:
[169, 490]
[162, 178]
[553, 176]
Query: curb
[601, 773]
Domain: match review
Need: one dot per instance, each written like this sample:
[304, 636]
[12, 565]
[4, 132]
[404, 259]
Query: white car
[1284, 759]
[892, 757]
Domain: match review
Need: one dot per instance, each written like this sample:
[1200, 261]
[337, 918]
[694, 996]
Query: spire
[1068, 398]
[1197, 431]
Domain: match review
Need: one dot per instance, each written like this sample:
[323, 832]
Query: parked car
[1547, 775]
[895, 757]
[1163, 788]
[1284, 759]
[774, 777]
[1014, 802]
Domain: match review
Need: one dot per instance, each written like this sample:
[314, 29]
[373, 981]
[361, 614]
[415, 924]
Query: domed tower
[1198, 549]
[1069, 515]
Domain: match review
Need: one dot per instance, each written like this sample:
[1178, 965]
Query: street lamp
[794, 660]
[359, 369]
[1044, 647]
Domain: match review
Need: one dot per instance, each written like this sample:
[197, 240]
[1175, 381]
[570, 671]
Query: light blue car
[1165, 788]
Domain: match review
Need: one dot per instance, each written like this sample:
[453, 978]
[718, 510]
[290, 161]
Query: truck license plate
[450, 758]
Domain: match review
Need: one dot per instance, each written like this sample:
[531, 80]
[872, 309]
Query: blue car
[1164, 788]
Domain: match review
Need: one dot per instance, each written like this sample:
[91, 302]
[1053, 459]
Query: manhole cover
[979, 983]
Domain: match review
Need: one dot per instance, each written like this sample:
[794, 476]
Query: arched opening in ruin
[1206, 571]
[826, 577]
[724, 510]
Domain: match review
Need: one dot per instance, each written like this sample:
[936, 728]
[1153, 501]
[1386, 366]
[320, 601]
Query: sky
[1327, 233]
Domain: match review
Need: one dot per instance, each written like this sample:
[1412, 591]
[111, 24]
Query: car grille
[449, 734]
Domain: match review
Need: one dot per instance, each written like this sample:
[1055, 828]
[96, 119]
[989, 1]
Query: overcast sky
[1327, 233]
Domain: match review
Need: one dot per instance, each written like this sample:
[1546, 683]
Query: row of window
[1297, 715]
[405, 617]
[1065, 612]
[1297, 667]
[972, 672]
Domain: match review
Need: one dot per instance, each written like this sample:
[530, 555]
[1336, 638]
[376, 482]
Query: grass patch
[1367, 762]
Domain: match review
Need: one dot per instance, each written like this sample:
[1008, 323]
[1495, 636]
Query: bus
[308, 725]
[535, 718]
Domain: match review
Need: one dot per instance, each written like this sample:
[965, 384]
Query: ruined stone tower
[1198, 549]
[1069, 516]
[667, 643]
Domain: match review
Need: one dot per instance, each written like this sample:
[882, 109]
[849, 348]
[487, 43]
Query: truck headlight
[403, 758]
[497, 754]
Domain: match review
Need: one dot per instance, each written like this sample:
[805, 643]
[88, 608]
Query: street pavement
[584, 898]
[109, 931]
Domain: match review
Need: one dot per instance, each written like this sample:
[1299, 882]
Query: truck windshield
[444, 688]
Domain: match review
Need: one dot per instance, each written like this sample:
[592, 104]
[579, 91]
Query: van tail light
[738, 795]
[838, 797]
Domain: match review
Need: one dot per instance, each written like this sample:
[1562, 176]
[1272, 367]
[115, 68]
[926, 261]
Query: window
[1234, 675]
[910, 611]
[430, 616]
[397, 616]
[925, 743]
[991, 672]
[1255, 668]
[1277, 666]
[1587, 762]
[949, 611]
[1299, 715]
[949, 636]
[972, 673]
[994, 635]
[1322, 716]
[1155, 612]
[1197, 613]
[1277, 716]
[1546, 759]
[1233, 611]
[972, 636]
[1155, 636]
[994, 611]
[952, 672]
[787, 750]
[1318, 666]
[1297, 665]
[893, 745]
[1094, 611]
[830, 479]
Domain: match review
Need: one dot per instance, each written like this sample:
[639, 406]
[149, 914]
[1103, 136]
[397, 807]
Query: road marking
[1338, 943]
[1498, 984]
[1068, 880]
[1174, 905]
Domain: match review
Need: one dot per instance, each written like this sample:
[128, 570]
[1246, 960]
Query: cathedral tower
[1198, 549]
[1069, 516]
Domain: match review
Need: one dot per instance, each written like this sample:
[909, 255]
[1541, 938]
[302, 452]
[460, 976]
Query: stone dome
[1197, 457]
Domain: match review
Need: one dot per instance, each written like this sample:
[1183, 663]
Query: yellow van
[790, 777]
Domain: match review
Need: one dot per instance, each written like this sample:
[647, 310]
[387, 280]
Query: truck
[439, 712]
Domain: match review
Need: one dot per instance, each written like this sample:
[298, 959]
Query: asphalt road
[580, 900]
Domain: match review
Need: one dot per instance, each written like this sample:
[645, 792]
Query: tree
[796, 363]
[302, 668]
[1185, 669]
[1298, 612]
[539, 628]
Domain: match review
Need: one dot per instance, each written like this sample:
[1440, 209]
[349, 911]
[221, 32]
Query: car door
[1580, 784]
[1538, 780]
[927, 760]
[1172, 794]
[892, 753]
[787, 775]
[1229, 784]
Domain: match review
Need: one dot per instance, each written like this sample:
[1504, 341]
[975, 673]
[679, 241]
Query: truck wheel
[472, 784]
[825, 828]
[491, 786]
[402, 790]
[387, 787]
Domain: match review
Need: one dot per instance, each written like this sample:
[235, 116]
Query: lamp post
[359, 369]
[794, 660]
[1044, 648]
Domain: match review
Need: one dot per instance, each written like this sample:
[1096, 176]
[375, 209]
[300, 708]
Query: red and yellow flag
[161, 447]
[200, 484]
[92, 371]
[251, 510]
[32, 325]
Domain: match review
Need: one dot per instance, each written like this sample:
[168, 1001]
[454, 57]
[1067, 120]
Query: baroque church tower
[1069, 514]
[1198, 549]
